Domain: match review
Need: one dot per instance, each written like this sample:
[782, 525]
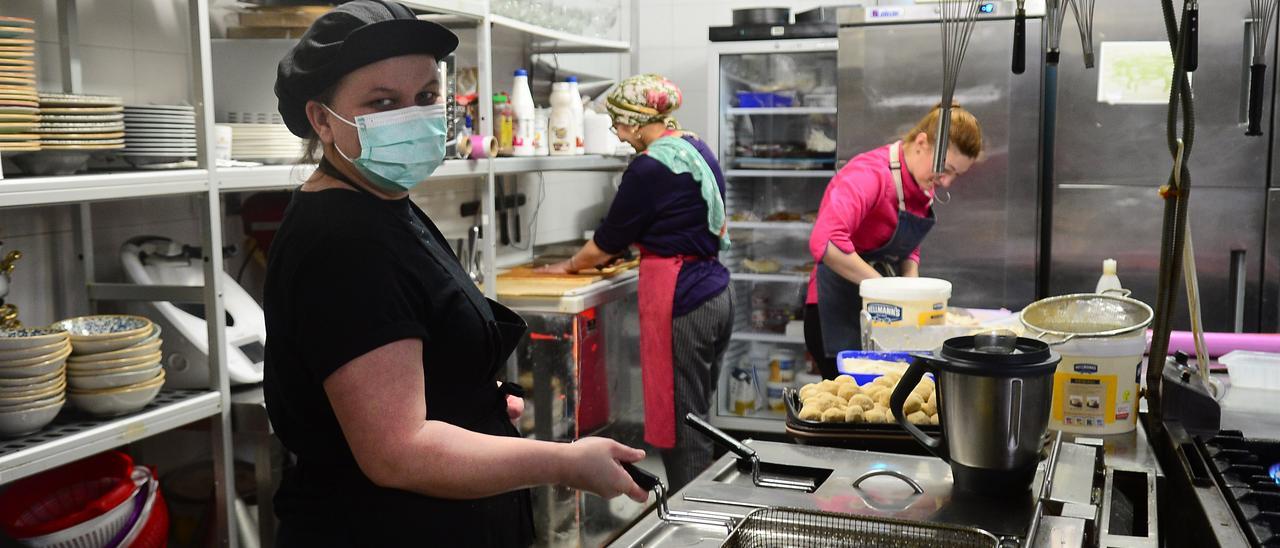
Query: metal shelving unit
[37, 191]
[782, 111]
[72, 438]
[779, 173]
[553, 41]
[776, 338]
[284, 177]
[770, 225]
[795, 278]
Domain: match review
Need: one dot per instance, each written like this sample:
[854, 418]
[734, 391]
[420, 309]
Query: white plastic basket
[98, 531]
[1250, 369]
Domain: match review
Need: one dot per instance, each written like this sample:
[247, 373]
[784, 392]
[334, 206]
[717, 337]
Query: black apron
[839, 301]
[375, 516]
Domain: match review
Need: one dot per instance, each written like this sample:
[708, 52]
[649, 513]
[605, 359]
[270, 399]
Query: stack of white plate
[159, 134]
[71, 122]
[266, 143]
[18, 113]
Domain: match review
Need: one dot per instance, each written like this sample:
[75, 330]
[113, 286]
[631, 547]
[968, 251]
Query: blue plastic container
[863, 379]
[752, 99]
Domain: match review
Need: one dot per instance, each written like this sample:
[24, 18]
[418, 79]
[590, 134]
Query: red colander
[66, 496]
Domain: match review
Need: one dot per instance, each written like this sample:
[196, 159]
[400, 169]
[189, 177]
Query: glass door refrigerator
[774, 128]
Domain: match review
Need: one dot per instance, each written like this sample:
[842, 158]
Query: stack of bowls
[114, 366]
[32, 378]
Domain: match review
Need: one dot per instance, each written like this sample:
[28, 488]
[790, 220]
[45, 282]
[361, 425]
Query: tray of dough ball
[855, 405]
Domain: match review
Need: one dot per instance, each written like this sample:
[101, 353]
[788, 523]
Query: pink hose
[1217, 344]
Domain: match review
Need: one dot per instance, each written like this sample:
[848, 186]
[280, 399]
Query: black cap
[346, 38]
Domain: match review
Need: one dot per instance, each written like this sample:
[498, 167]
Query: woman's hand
[561, 267]
[515, 407]
[592, 465]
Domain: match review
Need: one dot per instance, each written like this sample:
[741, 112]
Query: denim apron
[839, 301]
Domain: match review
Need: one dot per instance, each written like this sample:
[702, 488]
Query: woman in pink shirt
[874, 214]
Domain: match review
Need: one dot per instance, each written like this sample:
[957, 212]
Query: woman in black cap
[382, 355]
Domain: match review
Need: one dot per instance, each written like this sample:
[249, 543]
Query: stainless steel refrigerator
[890, 75]
[1111, 157]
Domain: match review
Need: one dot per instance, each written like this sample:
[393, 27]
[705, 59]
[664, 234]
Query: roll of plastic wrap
[477, 147]
[1217, 344]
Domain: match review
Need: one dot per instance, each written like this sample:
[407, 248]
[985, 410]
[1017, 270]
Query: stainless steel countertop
[733, 493]
[604, 291]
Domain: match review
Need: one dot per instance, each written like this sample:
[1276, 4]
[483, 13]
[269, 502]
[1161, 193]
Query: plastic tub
[1250, 369]
[777, 396]
[782, 366]
[901, 301]
[1095, 389]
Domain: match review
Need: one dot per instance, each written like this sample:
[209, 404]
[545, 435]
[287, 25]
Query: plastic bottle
[579, 127]
[522, 105]
[1108, 280]
[560, 125]
[540, 118]
[504, 124]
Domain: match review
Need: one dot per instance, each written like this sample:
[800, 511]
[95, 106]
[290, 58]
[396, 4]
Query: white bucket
[1095, 390]
[905, 302]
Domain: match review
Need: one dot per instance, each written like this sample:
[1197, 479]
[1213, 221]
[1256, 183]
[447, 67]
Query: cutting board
[526, 281]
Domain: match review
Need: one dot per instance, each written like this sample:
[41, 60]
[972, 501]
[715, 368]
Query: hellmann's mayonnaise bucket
[905, 302]
[1095, 390]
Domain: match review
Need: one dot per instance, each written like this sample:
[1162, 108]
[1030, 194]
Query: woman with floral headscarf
[671, 205]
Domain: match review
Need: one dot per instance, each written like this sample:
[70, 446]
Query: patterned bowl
[59, 349]
[30, 337]
[117, 401]
[105, 333]
[36, 370]
[18, 383]
[103, 366]
[136, 350]
[104, 326]
[27, 353]
[26, 421]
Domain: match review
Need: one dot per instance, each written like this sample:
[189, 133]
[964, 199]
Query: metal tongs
[748, 454]
[649, 482]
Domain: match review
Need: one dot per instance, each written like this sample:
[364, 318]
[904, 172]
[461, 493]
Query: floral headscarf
[644, 99]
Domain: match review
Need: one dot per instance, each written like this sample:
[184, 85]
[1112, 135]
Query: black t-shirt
[349, 273]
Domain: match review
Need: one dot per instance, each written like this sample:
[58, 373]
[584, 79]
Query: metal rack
[72, 437]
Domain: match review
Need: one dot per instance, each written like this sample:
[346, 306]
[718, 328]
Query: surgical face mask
[398, 148]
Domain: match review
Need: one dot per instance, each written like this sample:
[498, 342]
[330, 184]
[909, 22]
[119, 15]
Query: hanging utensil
[1083, 11]
[1263, 13]
[1020, 38]
[957, 18]
[1053, 15]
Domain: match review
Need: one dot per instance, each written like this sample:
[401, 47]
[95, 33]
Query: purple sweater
[666, 214]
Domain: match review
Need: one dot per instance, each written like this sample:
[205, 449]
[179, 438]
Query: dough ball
[889, 418]
[912, 405]
[883, 399]
[808, 390]
[818, 404]
[810, 413]
[833, 415]
[883, 380]
[853, 414]
[847, 391]
[933, 419]
[893, 376]
[922, 391]
[929, 408]
[874, 416]
[933, 397]
[862, 401]
[918, 418]
[875, 391]
[846, 379]
[829, 386]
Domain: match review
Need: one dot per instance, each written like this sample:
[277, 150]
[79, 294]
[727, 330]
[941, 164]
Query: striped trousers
[699, 340]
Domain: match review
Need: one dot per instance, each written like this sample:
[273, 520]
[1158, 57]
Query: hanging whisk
[1263, 13]
[1083, 11]
[957, 18]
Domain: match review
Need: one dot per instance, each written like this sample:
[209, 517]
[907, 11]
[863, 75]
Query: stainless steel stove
[1248, 470]
[1094, 498]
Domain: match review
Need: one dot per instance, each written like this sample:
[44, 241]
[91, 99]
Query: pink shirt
[859, 210]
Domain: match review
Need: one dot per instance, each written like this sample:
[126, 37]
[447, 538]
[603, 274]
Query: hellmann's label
[884, 313]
